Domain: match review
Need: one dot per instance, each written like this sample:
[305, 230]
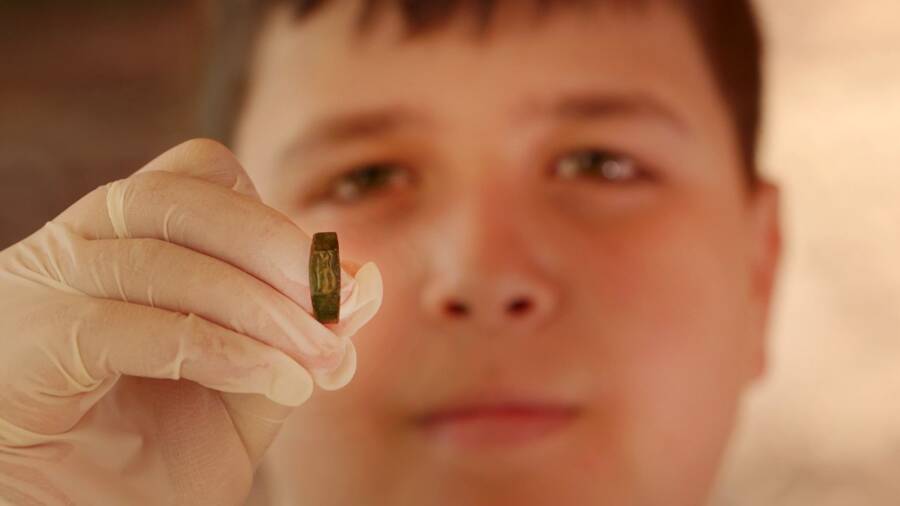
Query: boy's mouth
[496, 422]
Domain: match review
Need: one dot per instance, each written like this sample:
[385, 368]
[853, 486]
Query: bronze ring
[325, 277]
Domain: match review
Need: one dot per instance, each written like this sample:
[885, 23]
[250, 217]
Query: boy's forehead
[648, 55]
[656, 37]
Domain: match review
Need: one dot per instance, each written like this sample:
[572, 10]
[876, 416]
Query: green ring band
[325, 277]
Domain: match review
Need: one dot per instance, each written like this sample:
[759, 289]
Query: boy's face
[646, 296]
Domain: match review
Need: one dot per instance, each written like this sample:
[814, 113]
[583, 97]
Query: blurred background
[91, 91]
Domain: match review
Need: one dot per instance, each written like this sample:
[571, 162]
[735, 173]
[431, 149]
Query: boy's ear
[766, 231]
[766, 249]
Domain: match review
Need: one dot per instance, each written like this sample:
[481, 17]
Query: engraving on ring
[326, 281]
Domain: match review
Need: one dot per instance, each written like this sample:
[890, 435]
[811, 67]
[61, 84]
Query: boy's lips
[495, 420]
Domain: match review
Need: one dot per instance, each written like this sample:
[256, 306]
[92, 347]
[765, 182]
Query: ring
[325, 277]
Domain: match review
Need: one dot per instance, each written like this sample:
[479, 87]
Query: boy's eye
[368, 178]
[598, 163]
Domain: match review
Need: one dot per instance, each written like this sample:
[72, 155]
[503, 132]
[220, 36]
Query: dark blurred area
[89, 92]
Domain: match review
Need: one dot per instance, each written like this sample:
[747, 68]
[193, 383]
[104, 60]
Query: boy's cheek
[676, 332]
[677, 395]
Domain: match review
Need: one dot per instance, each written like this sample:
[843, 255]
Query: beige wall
[824, 429]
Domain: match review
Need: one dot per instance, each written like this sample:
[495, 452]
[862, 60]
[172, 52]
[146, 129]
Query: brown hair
[728, 32]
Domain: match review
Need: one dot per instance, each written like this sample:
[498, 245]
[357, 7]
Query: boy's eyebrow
[345, 128]
[579, 106]
[590, 105]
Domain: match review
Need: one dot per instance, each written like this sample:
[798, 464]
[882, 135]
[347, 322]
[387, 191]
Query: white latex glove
[155, 335]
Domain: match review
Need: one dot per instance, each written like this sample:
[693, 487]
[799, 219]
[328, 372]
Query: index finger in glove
[200, 198]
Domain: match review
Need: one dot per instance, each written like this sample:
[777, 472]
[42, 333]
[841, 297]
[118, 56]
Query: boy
[578, 259]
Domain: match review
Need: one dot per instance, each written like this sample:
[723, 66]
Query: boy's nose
[496, 286]
[518, 307]
[494, 301]
[489, 272]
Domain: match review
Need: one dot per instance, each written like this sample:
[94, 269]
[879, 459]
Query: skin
[648, 296]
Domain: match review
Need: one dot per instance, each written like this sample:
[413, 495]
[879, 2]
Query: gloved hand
[178, 272]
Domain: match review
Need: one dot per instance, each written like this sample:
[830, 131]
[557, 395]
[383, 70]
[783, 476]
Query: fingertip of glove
[340, 376]
[291, 386]
[369, 287]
